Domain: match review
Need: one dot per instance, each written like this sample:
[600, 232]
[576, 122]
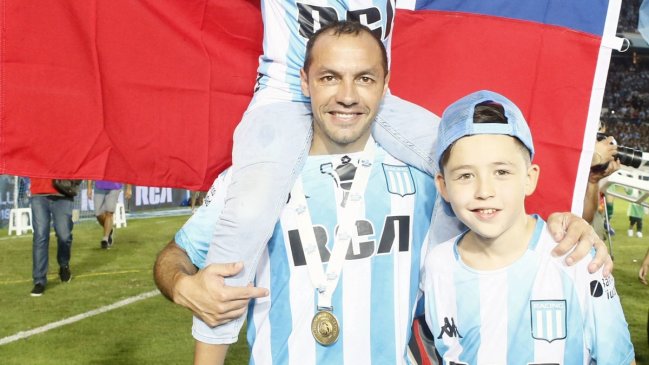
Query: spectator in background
[635, 212]
[609, 208]
[602, 165]
[644, 269]
[196, 199]
[105, 201]
[49, 205]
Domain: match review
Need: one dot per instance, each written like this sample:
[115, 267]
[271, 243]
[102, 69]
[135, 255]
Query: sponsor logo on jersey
[394, 238]
[604, 287]
[399, 180]
[313, 17]
[548, 319]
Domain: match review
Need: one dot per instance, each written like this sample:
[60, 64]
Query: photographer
[603, 163]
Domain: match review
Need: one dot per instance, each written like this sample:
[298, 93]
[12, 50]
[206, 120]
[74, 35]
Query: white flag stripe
[558, 317]
[539, 327]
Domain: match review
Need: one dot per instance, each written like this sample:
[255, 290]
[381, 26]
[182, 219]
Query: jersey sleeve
[607, 332]
[196, 234]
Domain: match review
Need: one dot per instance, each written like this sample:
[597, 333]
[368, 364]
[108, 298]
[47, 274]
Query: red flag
[150, 92]
[141, 92]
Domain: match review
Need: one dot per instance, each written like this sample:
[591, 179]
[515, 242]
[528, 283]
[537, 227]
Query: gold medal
[324, 328]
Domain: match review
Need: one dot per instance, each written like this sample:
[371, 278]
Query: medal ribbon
[348, 212]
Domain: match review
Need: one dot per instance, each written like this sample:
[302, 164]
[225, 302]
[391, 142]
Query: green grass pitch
[154, 331]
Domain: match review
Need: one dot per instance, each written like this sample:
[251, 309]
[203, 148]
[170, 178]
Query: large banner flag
[150, 91]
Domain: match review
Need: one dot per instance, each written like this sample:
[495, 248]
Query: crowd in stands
[629, 134]
[626, 96]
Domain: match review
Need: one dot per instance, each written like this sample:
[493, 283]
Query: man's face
[346, 83]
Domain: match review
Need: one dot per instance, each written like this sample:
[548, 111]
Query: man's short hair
[339, 28]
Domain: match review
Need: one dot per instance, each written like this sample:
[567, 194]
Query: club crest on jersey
[399, 179]
[548, 319]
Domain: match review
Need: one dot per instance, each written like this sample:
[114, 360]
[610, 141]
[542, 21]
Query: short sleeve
[196, 234]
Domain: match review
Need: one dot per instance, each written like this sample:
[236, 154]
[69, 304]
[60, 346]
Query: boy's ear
[304, 83]
[441, 186]
[532, 179]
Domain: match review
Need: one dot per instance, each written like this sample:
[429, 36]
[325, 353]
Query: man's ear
[386, 82]
[532, 179]
[304, 83]
[441, 186]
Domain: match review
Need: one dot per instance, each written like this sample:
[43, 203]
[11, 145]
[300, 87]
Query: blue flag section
[580, 15]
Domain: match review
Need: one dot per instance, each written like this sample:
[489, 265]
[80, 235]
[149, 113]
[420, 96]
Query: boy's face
[486, 180]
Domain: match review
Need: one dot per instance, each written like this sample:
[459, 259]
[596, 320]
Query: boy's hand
[569, 230]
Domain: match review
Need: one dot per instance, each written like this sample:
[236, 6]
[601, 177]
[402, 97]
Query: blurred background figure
[50, 206]
[644, 269]
[635, 212]
[196, 199]
[105, 198]
[603, 163]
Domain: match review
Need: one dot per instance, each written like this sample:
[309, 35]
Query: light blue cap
[457, 122]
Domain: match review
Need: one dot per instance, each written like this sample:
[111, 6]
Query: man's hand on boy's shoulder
[571, 231]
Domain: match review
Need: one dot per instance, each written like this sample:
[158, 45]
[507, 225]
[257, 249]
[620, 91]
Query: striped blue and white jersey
[379, 285]
[535, 311]
[288, 24]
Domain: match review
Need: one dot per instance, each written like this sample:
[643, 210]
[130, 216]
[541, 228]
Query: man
[105, 198]
[49, 205]
[273, 138]
[345, 75]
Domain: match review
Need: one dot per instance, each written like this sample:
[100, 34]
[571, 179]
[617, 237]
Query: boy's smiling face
[486, 180]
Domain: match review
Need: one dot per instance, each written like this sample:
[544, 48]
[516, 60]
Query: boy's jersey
[535, 311]
[288, 24]
[379, 283]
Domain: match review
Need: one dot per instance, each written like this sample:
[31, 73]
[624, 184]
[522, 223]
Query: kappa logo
[399, 180]
[449, 329]
[548, 319]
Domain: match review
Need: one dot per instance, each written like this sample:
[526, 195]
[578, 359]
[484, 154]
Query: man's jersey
[376, 295]
[288, 24]
[535, 311]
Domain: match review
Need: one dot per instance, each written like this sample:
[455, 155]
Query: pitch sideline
[24, 334]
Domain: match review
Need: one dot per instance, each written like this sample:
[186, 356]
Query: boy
[495, 294]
